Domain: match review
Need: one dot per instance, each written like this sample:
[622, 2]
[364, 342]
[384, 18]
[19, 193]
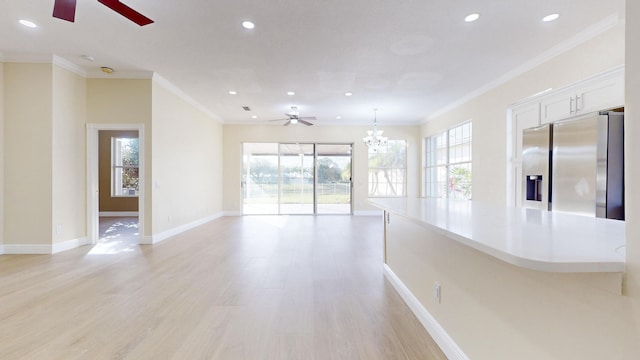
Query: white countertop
[533, 239]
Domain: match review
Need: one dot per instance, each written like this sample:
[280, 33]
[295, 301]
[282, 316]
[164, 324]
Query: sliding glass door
[260, 178]
[295, 178]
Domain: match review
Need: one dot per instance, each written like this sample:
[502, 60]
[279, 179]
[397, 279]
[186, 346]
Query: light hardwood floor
[263, 287]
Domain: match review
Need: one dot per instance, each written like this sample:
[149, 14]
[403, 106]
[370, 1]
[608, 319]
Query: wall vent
[246, 108]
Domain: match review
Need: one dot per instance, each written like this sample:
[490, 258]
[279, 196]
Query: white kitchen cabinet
[523, 117]
[557, 107]
[603, 92]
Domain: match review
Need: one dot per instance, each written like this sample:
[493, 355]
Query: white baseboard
[368, 213]
[117, 213]
[18, 249]
[30, 249]
[68, 245]
[156, 238]
[232, 213]
[439, 335]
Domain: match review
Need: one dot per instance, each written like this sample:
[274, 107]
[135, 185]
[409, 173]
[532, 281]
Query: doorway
[296, 178]
[123, 181]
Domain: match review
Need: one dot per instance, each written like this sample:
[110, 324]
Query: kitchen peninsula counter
[528, 238]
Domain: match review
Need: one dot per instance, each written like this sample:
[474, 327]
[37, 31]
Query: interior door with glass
[333, 180]
[297, 178]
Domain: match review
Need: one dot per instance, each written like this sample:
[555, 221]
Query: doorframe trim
[93, 179]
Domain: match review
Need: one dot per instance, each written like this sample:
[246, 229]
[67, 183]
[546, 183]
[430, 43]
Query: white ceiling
[409, 58]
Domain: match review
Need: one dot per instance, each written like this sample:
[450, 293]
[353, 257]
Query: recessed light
[106, 69]
[88, 58]
[28, 23]
[248, 25]
[348, 94]
[472, 17]
[254, 116]
[550, 17]
[231, 92]
[290, 93]
[338, 117]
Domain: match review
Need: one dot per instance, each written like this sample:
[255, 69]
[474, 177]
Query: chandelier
[374, 139]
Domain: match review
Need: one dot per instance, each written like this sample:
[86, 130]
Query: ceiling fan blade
[304, 122]
[127, 12]
[65, 10]
[278, 120]
[287, 123]
[308, 118]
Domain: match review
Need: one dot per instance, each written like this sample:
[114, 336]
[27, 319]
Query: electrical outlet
[169, 218]
[58, 229]
[437, 292]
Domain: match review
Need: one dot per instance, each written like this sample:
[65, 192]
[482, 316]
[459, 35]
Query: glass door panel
[296, 178]
[260, 178]
[333, 186]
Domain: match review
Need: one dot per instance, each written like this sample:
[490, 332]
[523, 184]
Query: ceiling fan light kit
[294, 118]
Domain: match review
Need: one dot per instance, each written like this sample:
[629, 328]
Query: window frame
[115, 166]
[430, 166]
[403, 170]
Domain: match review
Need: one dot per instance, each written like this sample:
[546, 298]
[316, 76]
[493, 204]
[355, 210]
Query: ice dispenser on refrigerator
[536, 169]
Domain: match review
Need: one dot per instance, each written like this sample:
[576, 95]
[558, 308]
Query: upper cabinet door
[601, 95]
[557, 106]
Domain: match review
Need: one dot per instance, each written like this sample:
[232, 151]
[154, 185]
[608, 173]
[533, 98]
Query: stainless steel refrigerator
[536, 167]
[585, 165]
[588, 166]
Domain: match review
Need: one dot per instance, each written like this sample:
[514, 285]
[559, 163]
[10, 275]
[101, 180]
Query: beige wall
[632, 144]
[187, 162]
[235, 135]
[107, 202]
[1, 155]
[488, 111]
[125, 101]
[28, 161]
[498, 311]
[68, 155]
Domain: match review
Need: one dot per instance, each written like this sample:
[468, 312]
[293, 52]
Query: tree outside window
[387, 170]
[448, 163]
[125, 162]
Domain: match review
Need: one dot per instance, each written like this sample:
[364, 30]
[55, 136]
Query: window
[124, 167]
[448, 163]
[387, 170]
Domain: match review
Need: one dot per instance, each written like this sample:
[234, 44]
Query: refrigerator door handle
[578, 104]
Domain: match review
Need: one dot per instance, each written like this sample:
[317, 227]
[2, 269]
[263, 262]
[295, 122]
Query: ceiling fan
[66, 10]
[293, 117]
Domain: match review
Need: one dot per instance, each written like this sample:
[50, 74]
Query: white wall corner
[439, 335]
[154, 239]
[69, 244]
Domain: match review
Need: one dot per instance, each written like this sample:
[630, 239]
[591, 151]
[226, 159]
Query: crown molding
[131, 75]
[166, 84]
[65, 64]
[587, 34]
